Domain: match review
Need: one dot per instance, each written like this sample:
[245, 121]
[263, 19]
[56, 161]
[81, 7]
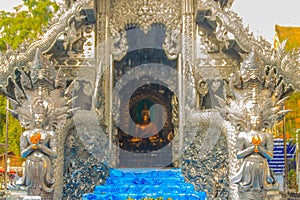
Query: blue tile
[139, 183]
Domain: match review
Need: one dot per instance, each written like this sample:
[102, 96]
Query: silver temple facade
[182, 58]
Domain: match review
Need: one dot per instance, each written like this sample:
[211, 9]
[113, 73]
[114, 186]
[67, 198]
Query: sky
[9, 4]
[260, 15]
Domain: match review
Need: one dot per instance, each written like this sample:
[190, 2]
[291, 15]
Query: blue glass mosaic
[138, 183]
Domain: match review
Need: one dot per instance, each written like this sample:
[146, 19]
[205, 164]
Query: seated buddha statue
[145, 128]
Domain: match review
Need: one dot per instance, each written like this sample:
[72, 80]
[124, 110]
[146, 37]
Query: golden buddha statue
[145, 128]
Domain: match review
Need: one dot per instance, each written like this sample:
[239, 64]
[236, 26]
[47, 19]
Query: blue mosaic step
[138, 183]
[145, 173]
[141, 196]
[145, 181]
[145, 189]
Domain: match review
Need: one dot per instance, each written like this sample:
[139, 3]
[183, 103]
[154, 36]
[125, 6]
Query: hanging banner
[277, 163]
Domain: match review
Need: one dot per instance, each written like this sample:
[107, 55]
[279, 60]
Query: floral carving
[144, 14]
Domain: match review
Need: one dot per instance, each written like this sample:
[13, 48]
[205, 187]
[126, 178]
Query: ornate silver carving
[42, 109]
[171, 44]
[201, 88]
[254, 91]
[89, 44]
[207, 154]
[234, 162]
[230, 22]
[57, 164]
[288, 63]
[158, 12]
[74, 39]
[188, 57]
[119, 45]
[74, 63]
[145, 13]
[14, 59]
[224, 4]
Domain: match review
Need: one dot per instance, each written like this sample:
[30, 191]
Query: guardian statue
[254, 99]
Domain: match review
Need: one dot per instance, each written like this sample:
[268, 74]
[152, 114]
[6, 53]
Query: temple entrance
[147, 118]
[147, 143]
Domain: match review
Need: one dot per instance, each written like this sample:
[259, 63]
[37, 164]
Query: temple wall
[205, 42]
[208, 172]
[82, 171]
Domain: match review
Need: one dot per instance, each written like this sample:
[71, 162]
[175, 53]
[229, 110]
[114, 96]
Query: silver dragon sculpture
[14, 60]
[229, 23]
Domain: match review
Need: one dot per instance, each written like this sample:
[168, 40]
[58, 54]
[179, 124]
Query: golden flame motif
[256, 140]
[34, 139]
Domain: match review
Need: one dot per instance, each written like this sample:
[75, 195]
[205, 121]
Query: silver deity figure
[253, 101]
[38, 146]
[202, 90]
[42, 110]
[255, 147]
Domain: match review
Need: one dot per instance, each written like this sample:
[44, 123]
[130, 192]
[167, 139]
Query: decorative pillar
[104, 78]
[187, 64]
[188, 53]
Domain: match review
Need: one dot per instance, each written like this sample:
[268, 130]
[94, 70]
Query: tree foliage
[24, 24]
[16, 27]
[290, 34]
[14, 129]
[293, 118]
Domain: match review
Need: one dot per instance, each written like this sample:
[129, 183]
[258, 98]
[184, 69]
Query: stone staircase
[139, 183]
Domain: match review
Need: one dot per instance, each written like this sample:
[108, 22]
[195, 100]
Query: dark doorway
[139, 145]
[142, 143]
